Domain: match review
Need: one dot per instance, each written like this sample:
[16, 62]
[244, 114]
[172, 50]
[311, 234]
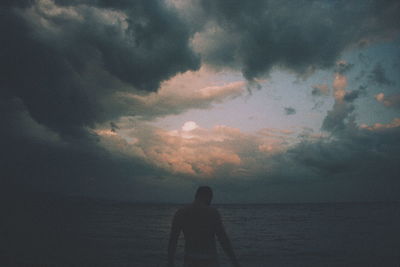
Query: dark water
[78, 232]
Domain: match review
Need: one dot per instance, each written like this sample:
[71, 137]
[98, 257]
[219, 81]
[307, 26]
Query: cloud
[320, 90]
[355, 163]
[352, 163]
[290, 111]
[80, 79]
[67, 59]
[32, 163]
[62, 65]
[196, 151]
[354, 94]
[389, 101]
[358, 154]
[191, 151]
[381, 126]
[256, 36]
[89, 55]
[340, 116]
[190, 90]
[378, 75]
[336, 118]
[18, 123]
[342, 67]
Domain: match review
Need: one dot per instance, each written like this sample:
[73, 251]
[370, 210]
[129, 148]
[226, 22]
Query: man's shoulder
[183, 210]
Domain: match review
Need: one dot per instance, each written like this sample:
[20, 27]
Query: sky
[264, 100]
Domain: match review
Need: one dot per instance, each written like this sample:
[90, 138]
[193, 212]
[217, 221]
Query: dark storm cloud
[255, 36]
[61, 64]
[378, 75]
[353, 95]
[362, 160]
[74, 168]
[113, 126]
[352, 164]
[65, 61]
[340, 116]
[35, 158]
[290, 111]
[337, 118]
[74, 55]
[343, 67]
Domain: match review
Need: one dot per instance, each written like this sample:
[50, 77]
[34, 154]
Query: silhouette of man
[199, 223]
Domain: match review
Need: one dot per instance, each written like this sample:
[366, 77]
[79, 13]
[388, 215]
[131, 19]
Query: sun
[189, 126]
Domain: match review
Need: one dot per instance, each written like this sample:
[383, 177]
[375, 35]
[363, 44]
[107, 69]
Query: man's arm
[225, 242]
[173, 239]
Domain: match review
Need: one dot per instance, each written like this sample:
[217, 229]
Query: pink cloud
[190, 90]
[382, 126]
[388, 101]
[339, 86]
[198, 152]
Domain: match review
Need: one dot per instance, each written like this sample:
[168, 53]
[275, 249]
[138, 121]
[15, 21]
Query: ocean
[54, 231]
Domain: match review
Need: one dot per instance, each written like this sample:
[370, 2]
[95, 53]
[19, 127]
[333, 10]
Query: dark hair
[204, 193]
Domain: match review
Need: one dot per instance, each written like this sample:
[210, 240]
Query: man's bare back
[200, 224]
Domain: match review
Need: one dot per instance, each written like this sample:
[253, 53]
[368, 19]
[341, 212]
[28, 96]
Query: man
[199, 223]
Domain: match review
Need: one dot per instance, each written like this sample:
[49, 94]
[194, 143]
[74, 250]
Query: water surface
[86, 232]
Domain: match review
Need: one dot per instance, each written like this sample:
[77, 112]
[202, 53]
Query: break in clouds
[81, 80]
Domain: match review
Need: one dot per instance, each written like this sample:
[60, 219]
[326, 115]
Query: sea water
[87, 232]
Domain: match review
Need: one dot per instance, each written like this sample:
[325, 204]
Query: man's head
[204, 194]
